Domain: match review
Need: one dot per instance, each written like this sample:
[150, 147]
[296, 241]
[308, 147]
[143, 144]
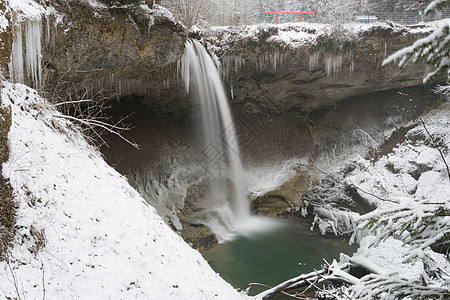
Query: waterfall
[200, 72]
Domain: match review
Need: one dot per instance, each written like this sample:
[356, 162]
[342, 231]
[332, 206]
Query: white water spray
[199, 71]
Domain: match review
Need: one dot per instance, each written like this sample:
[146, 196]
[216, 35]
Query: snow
[393, 276]
[392, 175]
[289, 35]
[97, 4]
[26, 9]
[262, 179]
[97, 237]
[388, 264]
[223, 39]
[162, 12]
[4, 22]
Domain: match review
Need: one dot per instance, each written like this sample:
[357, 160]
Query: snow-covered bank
[83, 231]
[400, 239]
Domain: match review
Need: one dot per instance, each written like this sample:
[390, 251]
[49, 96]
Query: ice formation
[230, 62]
[115, 85]
[314, 60]
[30, 63]
[333, 64]
[273, 60]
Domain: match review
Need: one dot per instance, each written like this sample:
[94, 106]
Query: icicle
[333, 64]
[314, 60]
[275, 60]
[47, 24]
[33, 57]
[385, 50]
[232, 92]
[32, 60]
[352, 67]
[16, 65]
[352, 63]
[262, 64]
[228, 61]
[238, 63]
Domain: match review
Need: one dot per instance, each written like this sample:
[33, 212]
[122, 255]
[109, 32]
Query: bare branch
[70, 102]
[93, 123]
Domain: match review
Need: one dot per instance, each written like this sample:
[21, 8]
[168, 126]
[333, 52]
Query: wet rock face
[197, 200]
[116, 51]
[285, 199]
[279, 76]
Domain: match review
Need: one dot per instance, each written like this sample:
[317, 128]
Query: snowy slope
[97, 238]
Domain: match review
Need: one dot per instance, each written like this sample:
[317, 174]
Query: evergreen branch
[435, 6]
[433, 49]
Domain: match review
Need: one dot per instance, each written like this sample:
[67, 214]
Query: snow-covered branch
[394, 287]
[436, 6]
[417, 223]
[433, 49]
[333, 272]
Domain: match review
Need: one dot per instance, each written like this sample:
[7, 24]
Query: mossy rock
[199, 237]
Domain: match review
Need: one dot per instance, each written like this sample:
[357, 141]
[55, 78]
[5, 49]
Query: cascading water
[220, 139]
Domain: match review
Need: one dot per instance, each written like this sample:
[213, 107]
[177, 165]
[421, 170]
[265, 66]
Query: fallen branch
[303, 280]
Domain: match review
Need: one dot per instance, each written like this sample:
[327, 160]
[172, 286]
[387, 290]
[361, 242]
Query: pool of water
[273, 256]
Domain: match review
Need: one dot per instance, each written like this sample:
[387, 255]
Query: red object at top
[276, 13]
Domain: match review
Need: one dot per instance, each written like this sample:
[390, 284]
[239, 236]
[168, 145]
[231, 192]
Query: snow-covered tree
[433, 49]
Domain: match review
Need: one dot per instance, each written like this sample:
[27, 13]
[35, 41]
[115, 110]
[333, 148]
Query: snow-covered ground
[83, 231]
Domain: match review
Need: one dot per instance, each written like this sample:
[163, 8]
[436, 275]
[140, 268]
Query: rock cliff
[133, 51]
[305, 66]
[85, 48]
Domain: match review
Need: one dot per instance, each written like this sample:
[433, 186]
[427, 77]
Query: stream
[275, 256]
